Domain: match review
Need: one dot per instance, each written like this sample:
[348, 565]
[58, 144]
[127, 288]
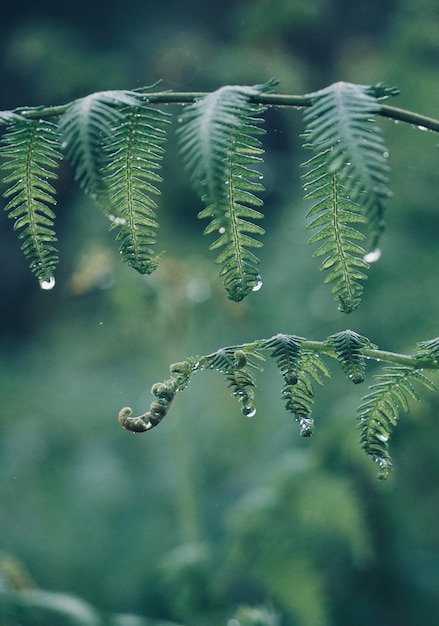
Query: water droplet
[386, 155]
[49, 284]
[306, 426]
[221, 230]
[258, 284]
[382, 437]
[385, 466]
[372, 256]
[117, 221]
[420, 127]
[249, 411]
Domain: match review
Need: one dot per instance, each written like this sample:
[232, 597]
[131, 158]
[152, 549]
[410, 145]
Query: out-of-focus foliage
[214, 511]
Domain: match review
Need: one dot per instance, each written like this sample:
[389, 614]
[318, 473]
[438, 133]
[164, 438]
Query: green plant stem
[321, 347]
[272, 99]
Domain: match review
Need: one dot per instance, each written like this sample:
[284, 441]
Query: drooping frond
[30, 150]
[219, 143]
[237, 364]
[299, 397]
[340, 123]
[428, 350]
[347, 346]
[287, 351]
[6, 117]
[336, 216]
[131, 176]
[381, 408]
[85, 126]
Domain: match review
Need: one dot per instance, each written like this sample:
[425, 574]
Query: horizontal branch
[422, 122]
[322, 347]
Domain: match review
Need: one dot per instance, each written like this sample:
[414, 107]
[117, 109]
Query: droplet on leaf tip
[372, 256]
[48, 284]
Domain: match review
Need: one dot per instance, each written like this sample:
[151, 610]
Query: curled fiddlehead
[164, 393]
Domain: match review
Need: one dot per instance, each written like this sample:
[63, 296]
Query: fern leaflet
[31, 150]
[381, 408]
[347, 346]
[287, 351]
[339, 124]
[299, 397]
[336, 216]
[133, 159]
[237, 364]
[85, 126]
[220, 146]
[428, 350]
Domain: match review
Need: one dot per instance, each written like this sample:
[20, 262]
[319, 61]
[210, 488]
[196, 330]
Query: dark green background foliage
[213, 510]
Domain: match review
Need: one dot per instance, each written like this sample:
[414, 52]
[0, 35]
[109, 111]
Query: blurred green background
[211, 510]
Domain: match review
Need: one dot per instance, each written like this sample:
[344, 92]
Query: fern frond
[164, 393]
[6, 117]
[131, 176]
[299, 397]
[347, 346]
[336, 216]
[85, 126]
[428, 350]
[340, 122]
[287, 351]
[381, 408]
[220, 146]
[237, 364]
[31, 152]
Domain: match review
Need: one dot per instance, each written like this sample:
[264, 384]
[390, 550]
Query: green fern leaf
[299, 397]
[428, 350]
[237, 363]
[131, 176]
[287, 352]
[220, 146]
[336, 216]
[6, 117]
[31, 152]
[380, 410]
[347, 346]
[339, 123]
[86, 125]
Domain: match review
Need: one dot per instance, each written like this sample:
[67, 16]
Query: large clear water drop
[372, 256]
[48, 284]
[258, 284]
